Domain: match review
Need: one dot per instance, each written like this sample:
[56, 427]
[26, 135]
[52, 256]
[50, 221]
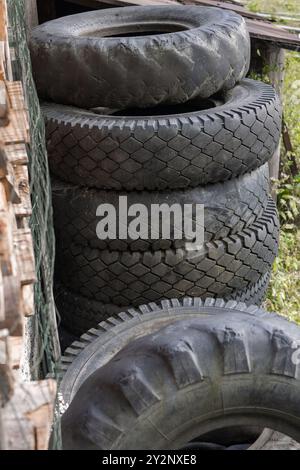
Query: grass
[291, 99]
[284, 292]
[274, 6]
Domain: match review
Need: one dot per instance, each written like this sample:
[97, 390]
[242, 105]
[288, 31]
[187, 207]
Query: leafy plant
[288, 201]
[274, 6]
[284, 291]
[253, 6]
[291, 103]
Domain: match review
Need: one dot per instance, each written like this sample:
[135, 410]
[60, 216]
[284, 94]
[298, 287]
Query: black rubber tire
[254, 294]
[73, 66]
[229, 208]
[169, 151]
[216, 269]
[196, 369]
[97, 345]
[66, 337]
[78, 314]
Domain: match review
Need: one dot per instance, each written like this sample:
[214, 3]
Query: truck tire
[159, 377]
[132, 278]
[182, 147]
[197, 51]
[78, 314]
[229, 208]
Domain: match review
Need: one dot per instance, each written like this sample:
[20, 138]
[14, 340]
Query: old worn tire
[78, 313]
[185, 148]
[228, 208]
[197, 368]
[74, 63]
[216, 269]
[254, 294]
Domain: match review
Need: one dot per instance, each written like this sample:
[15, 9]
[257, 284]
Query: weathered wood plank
[17, 154]
[5, 63]
[25, 257]
[28, 300]
[99, 3]
[6, 375]
[23, 209]
[15, 346]
[3, 100]
[31, 14]
[28, 415]
[14, 320]
[6, 239]
[17, 130]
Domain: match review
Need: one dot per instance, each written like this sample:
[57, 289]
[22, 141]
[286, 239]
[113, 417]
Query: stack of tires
[153, 103]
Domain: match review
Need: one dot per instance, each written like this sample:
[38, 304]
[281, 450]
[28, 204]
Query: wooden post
[270, 60]
[31, 14]
[275, 61]
[5, 63]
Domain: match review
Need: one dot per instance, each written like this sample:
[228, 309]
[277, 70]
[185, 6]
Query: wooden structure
[26, 409]
[258, 27]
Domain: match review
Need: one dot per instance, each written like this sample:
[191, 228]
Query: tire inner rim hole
[192, 106]
[232, 438]
[136, 29]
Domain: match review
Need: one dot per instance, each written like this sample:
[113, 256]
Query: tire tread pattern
[171, 152]
[133, 278]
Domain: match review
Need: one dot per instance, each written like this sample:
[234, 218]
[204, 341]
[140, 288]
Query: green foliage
[254, 6]
[291, 103]
[288, 201]
[258, 76]
[284, 291]
[274, 6]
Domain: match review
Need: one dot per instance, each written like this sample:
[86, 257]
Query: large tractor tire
[160, 376]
